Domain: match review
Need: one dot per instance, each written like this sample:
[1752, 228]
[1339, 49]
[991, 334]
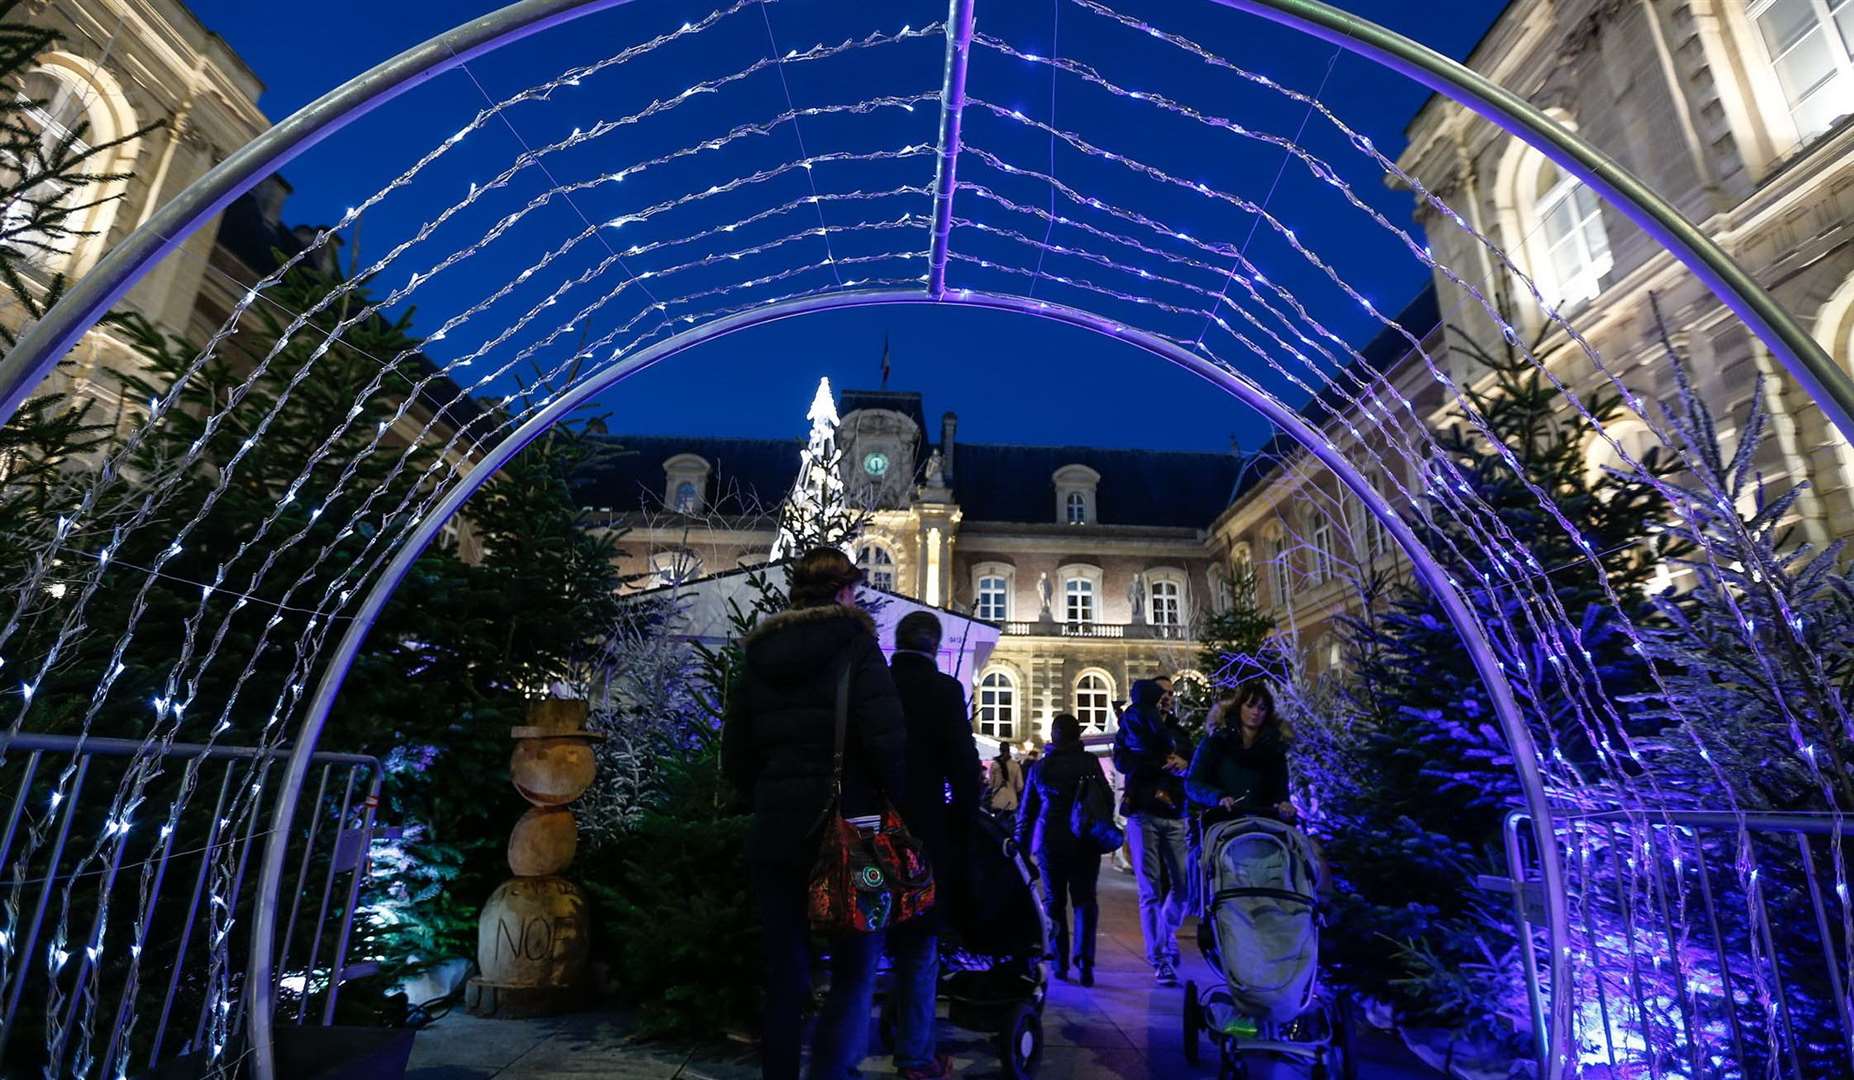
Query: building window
[685, 477]
[1320, 538]
[1078, 601]
[994, 598]
[1811, 48]
[1280, 569]
[1094, 702]
[877, 565]
[1570, 220]
[997, 706]
[1377, 537]
[1076, 487]
[1166, 593]
[77, 110]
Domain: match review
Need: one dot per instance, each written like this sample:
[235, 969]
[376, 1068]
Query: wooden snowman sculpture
[533, 937]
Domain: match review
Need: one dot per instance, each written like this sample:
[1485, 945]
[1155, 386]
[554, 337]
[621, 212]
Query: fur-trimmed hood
[799, 616]
[795, 645]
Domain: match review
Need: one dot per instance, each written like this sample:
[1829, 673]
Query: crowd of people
[819, 723]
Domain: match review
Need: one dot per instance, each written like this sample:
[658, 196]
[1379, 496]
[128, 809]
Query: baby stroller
[1261, 882]
[993, 973]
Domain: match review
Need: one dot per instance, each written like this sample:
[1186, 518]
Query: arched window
[877, 565]
[1570, 220]
[75, 107]
[1554, 224]
[1810, 44]
[685, 477]
[1094, 701]
[997, 705]
[1076, 487]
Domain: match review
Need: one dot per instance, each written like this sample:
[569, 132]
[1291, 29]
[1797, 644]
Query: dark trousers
[1069, 879]
[779, 890]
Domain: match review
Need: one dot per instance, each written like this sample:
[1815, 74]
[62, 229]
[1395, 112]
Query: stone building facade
[123, 66]
[1094, 561]
[1742, 115]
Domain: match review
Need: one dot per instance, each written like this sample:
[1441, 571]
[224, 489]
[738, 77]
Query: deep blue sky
[1011, 379]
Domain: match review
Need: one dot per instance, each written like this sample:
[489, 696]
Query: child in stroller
[993, 973]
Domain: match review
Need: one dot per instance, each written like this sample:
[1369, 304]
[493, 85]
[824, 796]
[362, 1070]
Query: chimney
[949, 425]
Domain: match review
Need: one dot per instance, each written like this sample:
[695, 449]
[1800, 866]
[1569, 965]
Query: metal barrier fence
[164, 1014]
[1746, 993]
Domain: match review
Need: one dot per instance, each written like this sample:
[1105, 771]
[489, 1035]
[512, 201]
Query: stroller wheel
[1020, 1042]
[1193, 1022]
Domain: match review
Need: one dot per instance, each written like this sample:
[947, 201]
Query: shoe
[1087, 975]
[1062, 973]
[1165, 974]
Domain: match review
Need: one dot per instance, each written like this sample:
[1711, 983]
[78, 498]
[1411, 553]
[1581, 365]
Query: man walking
[1153, 756]
[941, 757]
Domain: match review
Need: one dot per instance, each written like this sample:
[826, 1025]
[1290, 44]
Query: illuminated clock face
[876, 464]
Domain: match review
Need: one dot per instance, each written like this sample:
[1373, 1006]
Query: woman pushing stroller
[1240, 769]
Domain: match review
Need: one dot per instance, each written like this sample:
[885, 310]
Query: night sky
[1010, 378]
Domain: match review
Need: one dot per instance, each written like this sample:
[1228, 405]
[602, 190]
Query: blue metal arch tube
[322, 702]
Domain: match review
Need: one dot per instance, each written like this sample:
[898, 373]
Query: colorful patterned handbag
[863, 882]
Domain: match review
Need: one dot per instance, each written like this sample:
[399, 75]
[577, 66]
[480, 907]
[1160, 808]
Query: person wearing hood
[1153, 754]
[778, 740]
[1069, 871]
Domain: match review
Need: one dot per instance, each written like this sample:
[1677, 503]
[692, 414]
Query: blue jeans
[916, 953]
[843, 1026]
[1162, 866]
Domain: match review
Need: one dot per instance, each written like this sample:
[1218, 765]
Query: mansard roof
[745, 476]
[1010, 484]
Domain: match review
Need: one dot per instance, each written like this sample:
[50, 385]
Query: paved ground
[1125, 1028]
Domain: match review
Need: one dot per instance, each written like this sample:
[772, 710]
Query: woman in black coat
[777, 743]
[1070, 871]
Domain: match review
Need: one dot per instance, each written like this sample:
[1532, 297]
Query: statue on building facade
[1136, 597]
[936, 471]
[1047, 590]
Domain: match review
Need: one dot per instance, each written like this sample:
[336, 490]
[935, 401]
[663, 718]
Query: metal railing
[140, 871]
[1703, 970]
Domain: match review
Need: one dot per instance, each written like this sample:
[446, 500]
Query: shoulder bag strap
[843, 721]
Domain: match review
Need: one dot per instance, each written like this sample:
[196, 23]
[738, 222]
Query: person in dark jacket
[942, 759]
[1241, 768]
[777, 745]
[1153, 755]
[1069, 871]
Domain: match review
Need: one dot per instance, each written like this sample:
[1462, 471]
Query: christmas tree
[817, 513]
[1421, 814]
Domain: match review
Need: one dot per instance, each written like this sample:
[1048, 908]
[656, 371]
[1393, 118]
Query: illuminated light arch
[52, 337]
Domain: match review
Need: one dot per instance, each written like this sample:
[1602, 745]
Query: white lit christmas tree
[817, 513]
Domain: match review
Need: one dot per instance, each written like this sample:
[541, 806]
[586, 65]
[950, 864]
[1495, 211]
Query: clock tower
[881, 435]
